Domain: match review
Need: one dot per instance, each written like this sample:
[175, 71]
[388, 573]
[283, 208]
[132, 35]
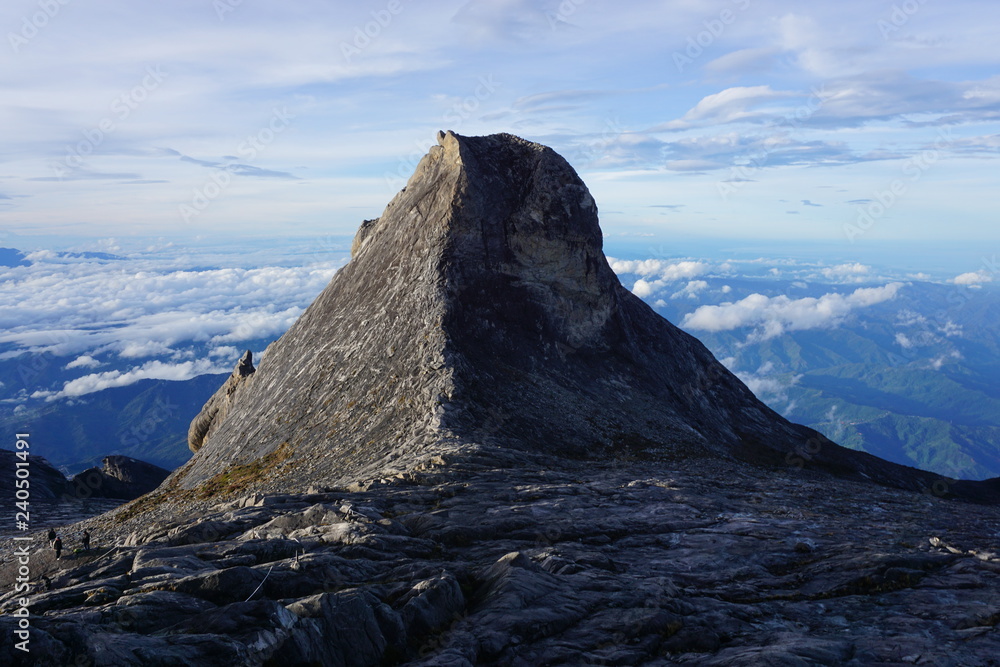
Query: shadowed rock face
[121, 477]
[479, 313]
[46, 482]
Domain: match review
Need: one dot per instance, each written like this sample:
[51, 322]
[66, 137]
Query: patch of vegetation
[238, 478]
[155, 498]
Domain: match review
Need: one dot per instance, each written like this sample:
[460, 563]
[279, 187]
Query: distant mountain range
[147, 420]
[914, 379]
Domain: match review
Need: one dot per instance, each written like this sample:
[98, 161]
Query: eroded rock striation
[699, 561]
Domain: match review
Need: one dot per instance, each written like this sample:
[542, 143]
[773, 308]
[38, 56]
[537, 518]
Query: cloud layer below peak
[772, 316]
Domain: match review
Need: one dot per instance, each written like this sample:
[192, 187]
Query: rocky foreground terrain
[698, 561]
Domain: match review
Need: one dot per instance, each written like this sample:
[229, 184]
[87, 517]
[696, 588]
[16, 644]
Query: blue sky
[847, 124]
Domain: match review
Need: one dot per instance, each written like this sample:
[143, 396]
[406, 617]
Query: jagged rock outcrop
[120, 477]
[217, 407]
[477, 312]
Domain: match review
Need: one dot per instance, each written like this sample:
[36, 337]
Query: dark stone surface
[120, 477]
[45, 481]
[629, 563]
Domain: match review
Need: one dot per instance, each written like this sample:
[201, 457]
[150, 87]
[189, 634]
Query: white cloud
[907, 317]
[772, 316]
[41, 256]
[919, 338]
[973, 278]
[950, 329]
[938, 362]
[642, 288]
[184, 320]
[657, 273]
[153, 370]
[769, 384]
[726, 106]
[84, 361]
[855, 271]
[666, 271]
[690, 290]
[141, 308]
[151, 348]
[769, 389]
[225, 352]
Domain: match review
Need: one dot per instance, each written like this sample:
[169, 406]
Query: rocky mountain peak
[478, 316]
[510, 218]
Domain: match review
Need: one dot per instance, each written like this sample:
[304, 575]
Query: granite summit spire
[478, 312]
